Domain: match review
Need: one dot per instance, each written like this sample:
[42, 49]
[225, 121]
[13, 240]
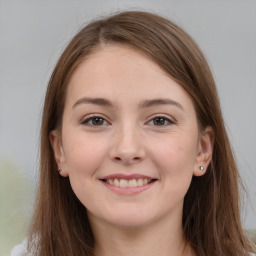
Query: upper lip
[126, 177]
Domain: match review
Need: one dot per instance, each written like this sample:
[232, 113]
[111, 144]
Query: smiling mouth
[131, 183]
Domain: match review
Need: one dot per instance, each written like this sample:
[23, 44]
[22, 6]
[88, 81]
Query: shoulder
[20, 249]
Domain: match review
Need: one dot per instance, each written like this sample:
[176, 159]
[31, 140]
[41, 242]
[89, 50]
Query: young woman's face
[129, 142]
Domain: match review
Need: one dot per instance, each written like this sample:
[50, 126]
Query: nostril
[126, 159]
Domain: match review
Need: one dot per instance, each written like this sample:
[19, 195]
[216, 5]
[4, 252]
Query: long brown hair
[211, 214]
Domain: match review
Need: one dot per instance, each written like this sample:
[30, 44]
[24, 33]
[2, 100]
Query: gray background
[34, 33]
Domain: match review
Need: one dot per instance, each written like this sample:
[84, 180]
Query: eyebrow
[145, 104]
[96, 101]
[155, 102]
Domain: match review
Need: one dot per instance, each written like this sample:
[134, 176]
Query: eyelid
[87, 118]
[168, 118]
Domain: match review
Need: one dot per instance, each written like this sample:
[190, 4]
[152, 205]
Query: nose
[127, 147]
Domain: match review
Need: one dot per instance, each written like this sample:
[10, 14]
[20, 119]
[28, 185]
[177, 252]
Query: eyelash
[165, 119]
[88, 121]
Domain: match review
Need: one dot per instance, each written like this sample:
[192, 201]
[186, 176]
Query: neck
[162, 239]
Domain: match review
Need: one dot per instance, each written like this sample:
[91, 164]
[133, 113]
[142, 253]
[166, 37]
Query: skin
[131, 139]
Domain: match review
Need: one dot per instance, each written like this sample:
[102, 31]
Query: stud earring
[201, 167]
[59, 170]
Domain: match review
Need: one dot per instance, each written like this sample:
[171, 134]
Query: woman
[135, 159]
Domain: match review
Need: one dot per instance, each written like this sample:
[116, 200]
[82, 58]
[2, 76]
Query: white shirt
[20, 249]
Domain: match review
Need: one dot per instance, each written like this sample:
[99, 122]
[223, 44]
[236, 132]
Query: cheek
[175, 157]
[84, 154]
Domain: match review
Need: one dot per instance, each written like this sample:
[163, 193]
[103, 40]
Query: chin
[130, 218]
[129, 223]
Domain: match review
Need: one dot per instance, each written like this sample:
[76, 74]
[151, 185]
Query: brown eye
[97, 121]
[161, 121]
[94, 121]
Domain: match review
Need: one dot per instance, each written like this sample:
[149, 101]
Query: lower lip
[128, 190]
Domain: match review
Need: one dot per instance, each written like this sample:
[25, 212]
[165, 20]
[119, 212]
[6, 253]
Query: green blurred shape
[252, 235]
[16, 203]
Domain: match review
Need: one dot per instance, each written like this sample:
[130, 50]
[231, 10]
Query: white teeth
[132, 183]
[139, 182]
[116, 183]
[128, 183]
[123, 183]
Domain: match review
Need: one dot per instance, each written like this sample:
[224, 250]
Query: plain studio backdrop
[34, 33]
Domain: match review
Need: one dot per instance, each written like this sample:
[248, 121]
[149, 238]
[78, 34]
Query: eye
[160, 121]
[94, 121]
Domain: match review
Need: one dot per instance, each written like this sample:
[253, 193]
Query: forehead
[113, 59]
[120, 72]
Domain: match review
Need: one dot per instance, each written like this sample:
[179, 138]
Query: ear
[204, 151]
[59, 155]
